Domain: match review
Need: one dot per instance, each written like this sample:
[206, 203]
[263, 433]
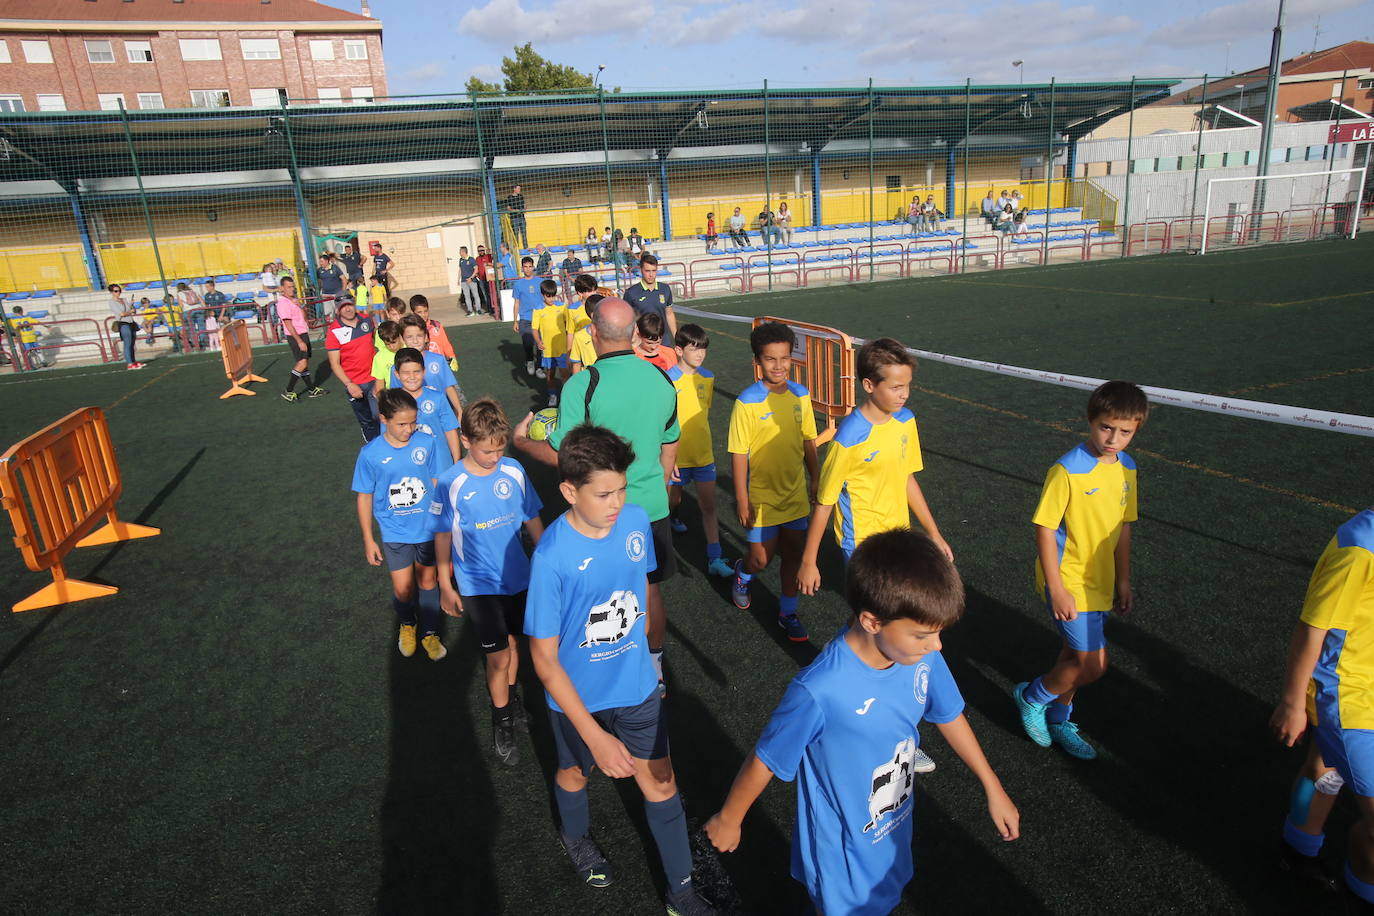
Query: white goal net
[1281, 208]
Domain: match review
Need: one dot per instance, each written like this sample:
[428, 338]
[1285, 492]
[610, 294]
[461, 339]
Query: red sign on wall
[1351, 132]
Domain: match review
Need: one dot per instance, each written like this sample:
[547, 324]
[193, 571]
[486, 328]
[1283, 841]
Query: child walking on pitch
[846, 731]
[1326, 684]
[415, 333]
[549, 325]
[1083, 560]
[393, 477]
[696, 457]
[772, 433]
[585, 620]
[434, 415]
[482, 502]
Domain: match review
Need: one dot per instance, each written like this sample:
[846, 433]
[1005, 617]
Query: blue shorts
[1351, 752]
[554, 362]
[403, 556]
[643, 729]
[706, 473]
[761, 534]
[1085, 632]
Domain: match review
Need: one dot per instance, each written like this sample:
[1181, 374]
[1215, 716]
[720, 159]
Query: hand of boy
[611, 756]
[676, 475]
[449, 600]
[1125, 599]
[1063, 605]
[746, 515]
[373, 552]
[722, 834]
[808, 578]
[1288, 723]
[1004, 815]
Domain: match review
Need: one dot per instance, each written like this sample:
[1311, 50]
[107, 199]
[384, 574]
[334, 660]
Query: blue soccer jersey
[400, 481]
[437, 373]
[847, 733]
[527, 297]
[434, 415]
[591, 594]
[484, 514]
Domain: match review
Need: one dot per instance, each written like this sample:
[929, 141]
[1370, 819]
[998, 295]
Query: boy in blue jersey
[528, 298]
[483, 502]
[435, 416]
[393, 478]
[1083, 560]
[585, 619]
[846, 731]
[772, 432]
[1327, 684]
[696, 457]
[415, 333]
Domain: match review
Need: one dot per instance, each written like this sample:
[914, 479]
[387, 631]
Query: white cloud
[563, 20]
[1247, 19]
[719, 23]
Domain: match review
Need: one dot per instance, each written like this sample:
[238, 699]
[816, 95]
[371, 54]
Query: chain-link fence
[734, 191]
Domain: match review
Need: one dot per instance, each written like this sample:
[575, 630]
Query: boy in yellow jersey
[388, 342]
[696, 459]
[27, 329]
[550, 327]
[1083, 565]
[376, 295]
[584, 285]
[772, 432]
[583, 353]
[1327, 683]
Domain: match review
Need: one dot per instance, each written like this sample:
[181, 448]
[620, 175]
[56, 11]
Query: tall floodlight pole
[1271, 99]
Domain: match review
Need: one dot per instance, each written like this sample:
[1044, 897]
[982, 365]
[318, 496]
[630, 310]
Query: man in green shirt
[636, 401]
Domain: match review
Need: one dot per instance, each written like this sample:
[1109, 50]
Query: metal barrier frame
[816, 370]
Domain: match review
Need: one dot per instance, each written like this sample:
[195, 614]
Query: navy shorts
[663, 551]
[403, 556]
[495, 617]
[706, 473]
[643, 729]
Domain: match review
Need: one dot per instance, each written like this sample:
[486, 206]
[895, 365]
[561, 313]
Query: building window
[149, 100]
[322, 49]
[1142, 166]
[1278, 154]
[139, 52]
[260, 48]
[355, 49]
[11, 103]
[1316, 153]
[362, 95]
[1336, 90]
[1366, 83]
[53, 102]
[100, 52]
[209, 98]
[111, 101]
[330, 96]
[1213, 160]
[4, 51]
[267, 98]
[37, 52]
[200, 49]
[1234, 158]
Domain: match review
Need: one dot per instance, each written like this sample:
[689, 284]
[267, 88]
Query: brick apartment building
[1317, 86]
[70, 55]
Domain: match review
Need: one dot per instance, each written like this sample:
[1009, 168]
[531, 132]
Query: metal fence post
[1130, 167]
[610, 194]
[767, 183]
[302, 213]
[1049, 174]
[1197, 148]
[968, 129]
[143, 195]
[871, 270]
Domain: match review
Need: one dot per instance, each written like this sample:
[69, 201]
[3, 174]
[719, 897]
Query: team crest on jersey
[406, 492]
[904, 447]
[419, 454]
[1125, 492]
[502, 488]
[891, 785]
[634, 546]
[611, 621]
[427, 407]
[797, 413]
[434, 368]
[920, 683]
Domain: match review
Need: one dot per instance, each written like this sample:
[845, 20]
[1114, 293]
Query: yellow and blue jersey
[26, 327]
[695, 392]
[583, 349]
[770, 428]
[576, 318]
[551, 323]
[1086, 502]
[1340, 600]
[865, 475]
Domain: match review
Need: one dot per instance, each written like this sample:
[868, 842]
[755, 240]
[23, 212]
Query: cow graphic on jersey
[891, 787]
[610, 621]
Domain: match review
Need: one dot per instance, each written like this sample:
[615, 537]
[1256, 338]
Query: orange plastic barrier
[57, 485]
[237, 351]
[823, 361]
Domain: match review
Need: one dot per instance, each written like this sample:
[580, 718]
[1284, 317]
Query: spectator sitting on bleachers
[1002, 200]
[607, 252]
[1005, 219]
[620, 250]
[783, 220]
[990, 208]
[636, 243]
[768, 231]
[739, 236]
[711, 237]
[932, 214]
[593, 246]
[1018, 223]
[1016, 202]
[543, 262]
[915, 215]
[571, 265]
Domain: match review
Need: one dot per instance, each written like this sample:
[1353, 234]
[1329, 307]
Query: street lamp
[597, 80]
[1020, 70]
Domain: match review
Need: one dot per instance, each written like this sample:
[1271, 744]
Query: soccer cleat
[540, 373]
[1032, 716]
[718, 567]
[678, 525]
[529, 368]
[290, 396]
[317, 392]
[406, 641]
[739, 591]
[1065, 734]
[1309, 871]
[588, 861]
[553, 399]
[921, 762]
[517, 712]
[136, 366]
[504, 741]
[792, 625]
[434, 647]
[687, 902]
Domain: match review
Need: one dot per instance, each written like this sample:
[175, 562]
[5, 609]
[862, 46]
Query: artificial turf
[235, 731]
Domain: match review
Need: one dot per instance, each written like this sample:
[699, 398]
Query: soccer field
[235, 731]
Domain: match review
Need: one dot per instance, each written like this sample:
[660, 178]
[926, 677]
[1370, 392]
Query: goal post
[1295, 207]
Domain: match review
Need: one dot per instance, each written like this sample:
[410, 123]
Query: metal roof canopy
[456, 134]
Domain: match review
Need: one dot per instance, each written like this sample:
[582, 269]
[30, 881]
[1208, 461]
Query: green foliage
[529, 71]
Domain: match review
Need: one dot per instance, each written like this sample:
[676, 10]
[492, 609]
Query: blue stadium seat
[37, 313]
[135, 287]
[21, 295]
[224, 278]
[44, 294]
[246, 276]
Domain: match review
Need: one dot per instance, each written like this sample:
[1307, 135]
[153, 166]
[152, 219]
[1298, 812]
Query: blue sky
[696, 44]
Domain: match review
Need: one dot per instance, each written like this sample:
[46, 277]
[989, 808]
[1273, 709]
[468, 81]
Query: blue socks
[1359, 888]
[429, 610]
[744, 577]
[713, 551]
[1036, 693]
[405, 610]
[668, 823]
[572, 811]
[787, 606]
[1058, 712]
[1305, 843]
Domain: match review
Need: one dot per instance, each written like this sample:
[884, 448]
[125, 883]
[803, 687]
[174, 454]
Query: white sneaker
[540, 373]
[529, 368]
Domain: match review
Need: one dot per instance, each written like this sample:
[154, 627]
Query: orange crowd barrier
[57, 485]
[237, 351]
[823, 361]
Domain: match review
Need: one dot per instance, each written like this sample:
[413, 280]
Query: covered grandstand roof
[457, 134]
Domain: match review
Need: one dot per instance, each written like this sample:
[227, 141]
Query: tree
[528, 71]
